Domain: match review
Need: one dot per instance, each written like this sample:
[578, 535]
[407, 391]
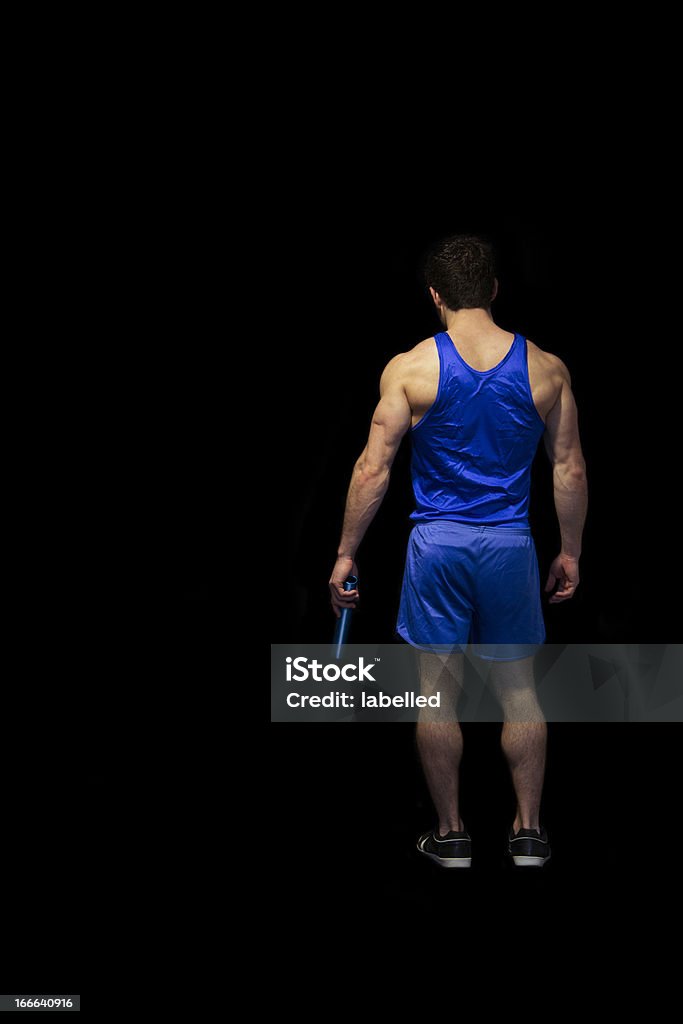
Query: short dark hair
[461, 269]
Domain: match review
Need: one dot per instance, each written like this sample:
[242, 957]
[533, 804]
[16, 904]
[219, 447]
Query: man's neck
[468, 321]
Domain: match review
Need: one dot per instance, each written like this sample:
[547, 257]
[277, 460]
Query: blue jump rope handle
[341, 630]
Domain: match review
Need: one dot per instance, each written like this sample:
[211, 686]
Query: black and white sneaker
[454, 850]
[529, 847]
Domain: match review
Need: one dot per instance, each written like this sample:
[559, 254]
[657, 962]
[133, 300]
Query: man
[476, 399]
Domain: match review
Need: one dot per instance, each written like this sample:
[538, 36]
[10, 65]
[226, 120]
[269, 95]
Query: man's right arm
[570, 488]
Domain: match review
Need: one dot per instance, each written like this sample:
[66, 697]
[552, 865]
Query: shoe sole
[530, 862]
[447, 862]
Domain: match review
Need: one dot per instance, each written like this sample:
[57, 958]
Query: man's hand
[341, 598]
[564, 572]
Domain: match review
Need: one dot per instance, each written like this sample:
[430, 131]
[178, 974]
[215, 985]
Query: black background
[336, 294]
[59, 841]
[114, 793]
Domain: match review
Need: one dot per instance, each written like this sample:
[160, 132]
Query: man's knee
[520, 705]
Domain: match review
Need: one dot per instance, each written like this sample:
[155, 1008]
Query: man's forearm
[571, 502]
[366, 491]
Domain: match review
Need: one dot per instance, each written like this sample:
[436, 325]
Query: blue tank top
[473, 449]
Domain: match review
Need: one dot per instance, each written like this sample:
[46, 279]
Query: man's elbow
[572, 473]
[371, 472]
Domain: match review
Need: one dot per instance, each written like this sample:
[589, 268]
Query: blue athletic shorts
[472, 584]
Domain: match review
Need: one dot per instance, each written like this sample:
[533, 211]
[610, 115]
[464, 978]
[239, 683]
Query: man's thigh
[442, 673]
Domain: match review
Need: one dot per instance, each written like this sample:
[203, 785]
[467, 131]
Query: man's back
[482, 349]
[479, 397]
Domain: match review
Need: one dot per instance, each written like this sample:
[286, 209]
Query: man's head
[461, 274]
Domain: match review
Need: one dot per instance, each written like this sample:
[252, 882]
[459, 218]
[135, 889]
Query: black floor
[55, 865]
[350, 802]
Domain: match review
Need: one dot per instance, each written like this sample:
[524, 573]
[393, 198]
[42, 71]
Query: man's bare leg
[439, 737]
[524, 736]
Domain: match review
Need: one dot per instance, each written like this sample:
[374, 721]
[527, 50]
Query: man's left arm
[370, 478]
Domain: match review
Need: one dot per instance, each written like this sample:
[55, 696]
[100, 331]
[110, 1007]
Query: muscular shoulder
[546, 364]
[415, 374]
[548, 376]
[406, 365]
